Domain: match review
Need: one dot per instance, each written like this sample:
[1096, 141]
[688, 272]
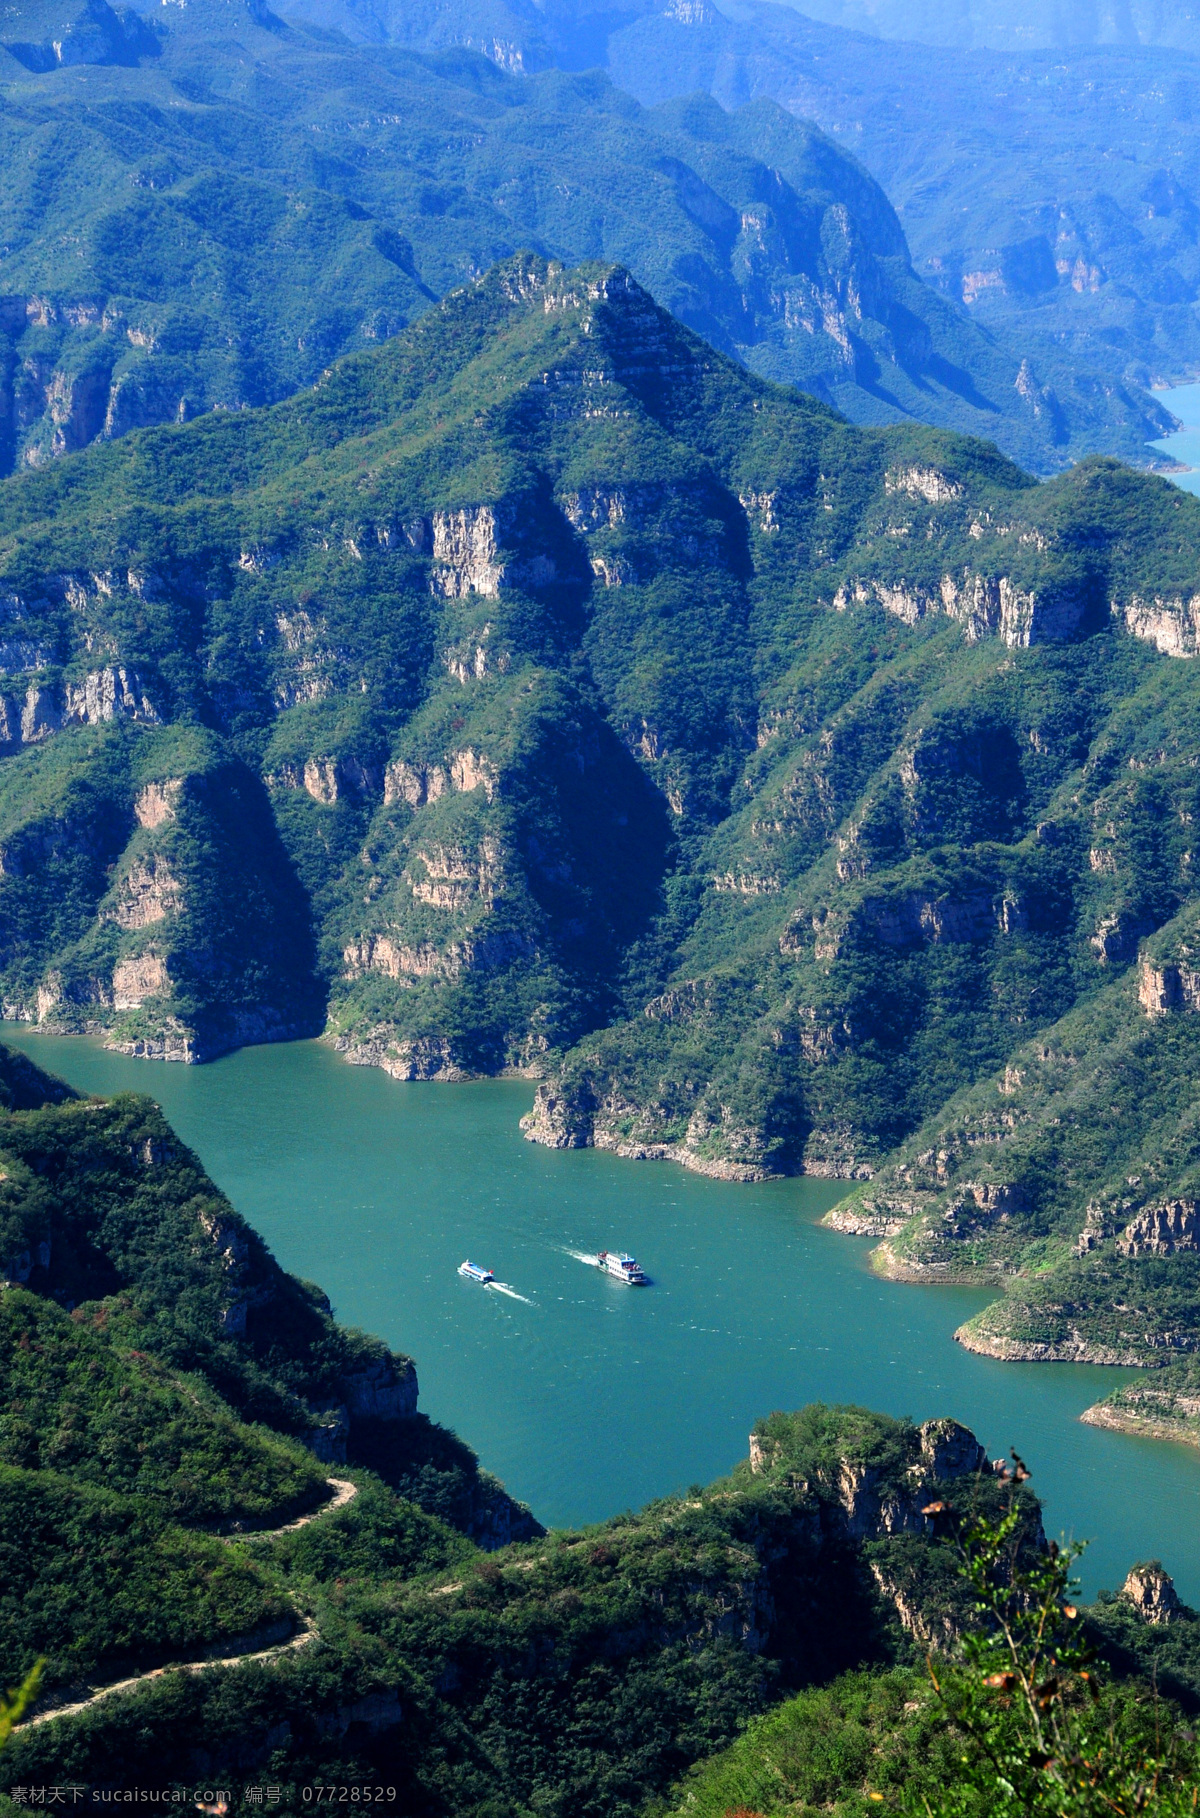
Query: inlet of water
[589, 1396]
[1183, 401]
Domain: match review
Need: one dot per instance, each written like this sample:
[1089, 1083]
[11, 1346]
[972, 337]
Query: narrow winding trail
[344, 1492]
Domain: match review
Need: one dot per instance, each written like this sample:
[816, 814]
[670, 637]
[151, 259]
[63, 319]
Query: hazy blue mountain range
[200, 209]
[1018, 24]
[1057, 196]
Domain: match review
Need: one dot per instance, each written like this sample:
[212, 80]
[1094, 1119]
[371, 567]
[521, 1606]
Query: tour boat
[625, 1268]
[473, 1272]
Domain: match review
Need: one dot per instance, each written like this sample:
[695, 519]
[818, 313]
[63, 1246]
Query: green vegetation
[178, 236]
[1165, 1405]
[13, 1707]
[81, 1405]
[101, 1587]
[160, 1376]
[377, 1642]
[561, 697]
[1022, 1713]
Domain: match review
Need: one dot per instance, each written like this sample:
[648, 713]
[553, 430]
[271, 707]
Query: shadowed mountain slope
[200, 208]
[1001, 164]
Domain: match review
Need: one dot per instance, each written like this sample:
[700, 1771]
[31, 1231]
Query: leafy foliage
[1037, 1725]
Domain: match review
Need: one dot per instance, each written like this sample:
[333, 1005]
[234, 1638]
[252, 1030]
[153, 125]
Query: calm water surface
[588, 1397]
[1183, 401]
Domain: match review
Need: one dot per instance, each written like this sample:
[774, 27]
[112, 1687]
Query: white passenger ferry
[473, 1272]
[625, 1268]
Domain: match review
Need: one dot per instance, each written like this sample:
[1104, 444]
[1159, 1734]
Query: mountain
[214, 1609]
[200, 208]
[1001, 165]
[544, 691]
[1017, 24]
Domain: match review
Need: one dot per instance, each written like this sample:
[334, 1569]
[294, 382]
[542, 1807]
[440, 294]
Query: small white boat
[625, 1268]
[473, 1272]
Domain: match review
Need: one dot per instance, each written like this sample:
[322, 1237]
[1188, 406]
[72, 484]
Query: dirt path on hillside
[344, 1492]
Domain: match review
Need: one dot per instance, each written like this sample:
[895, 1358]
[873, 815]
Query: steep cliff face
[160, 911]
[624, 681]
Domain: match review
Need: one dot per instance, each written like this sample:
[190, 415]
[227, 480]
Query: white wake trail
[583, 1257]
[502, 1287]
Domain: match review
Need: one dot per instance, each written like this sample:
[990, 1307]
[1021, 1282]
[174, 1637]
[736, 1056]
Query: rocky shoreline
[1076, 1350]
[1134, 1412]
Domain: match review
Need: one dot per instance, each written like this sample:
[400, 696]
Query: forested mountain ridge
[545, 670]
[437, 605]
[201, 208]
[1000, 163]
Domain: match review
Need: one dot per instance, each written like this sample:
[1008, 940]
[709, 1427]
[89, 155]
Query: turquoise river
[588, 1397]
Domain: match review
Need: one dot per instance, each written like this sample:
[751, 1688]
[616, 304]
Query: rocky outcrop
[1073, 1348]
[419, 784]
[76, 404]
[141, 976]
[1148, 1413]
[148, 893]
[413, 783]
[1162, 1230]
[95, 34]
[470, 770]
[328, 779]
[1166, 987]
[868, 1503]
[157, 803]
[834, 1152]
[927, 483]
[976, 1205]
[465, 558]
[107, 694]
[227, 1237]
[904, 921]
[381, 953]
[1116, 937]
[404, 1058]
[712, 1144]
[384, 1389]
[102, 695]
[1171, 624]
[1153, 1595]
[984, 605]
[173, 1041]
[880, 1217]
[560, 1120]
[454, 877]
